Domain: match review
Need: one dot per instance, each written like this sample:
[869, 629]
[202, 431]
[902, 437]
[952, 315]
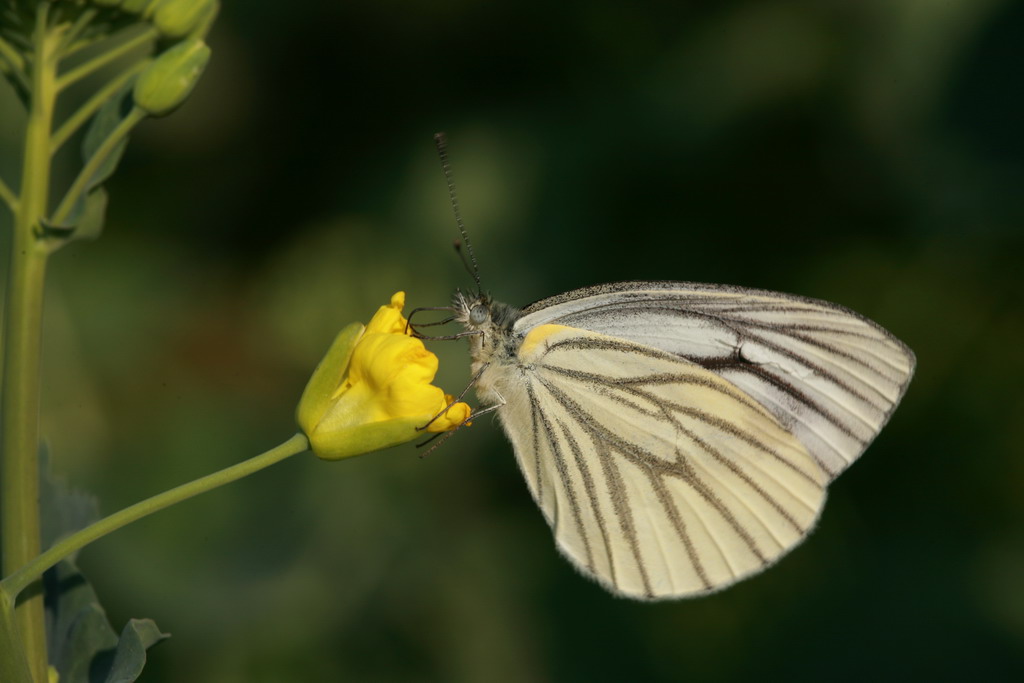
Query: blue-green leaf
[79, 636]
[137, 636]
[82, 645]
[109, 117]
[85, 220]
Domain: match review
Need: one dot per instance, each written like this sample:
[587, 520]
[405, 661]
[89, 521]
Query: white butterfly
[679, 437]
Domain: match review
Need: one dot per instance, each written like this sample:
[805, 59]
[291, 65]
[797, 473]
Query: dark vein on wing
[869, 382]
[623, 513]
[741, 474]
[591, 491]
[784, 386]
[644, 460]
[562, 469]
[679, 524]
[627, 386]
[697, 483]
[744, 333]
[735, 363]
[534, 417]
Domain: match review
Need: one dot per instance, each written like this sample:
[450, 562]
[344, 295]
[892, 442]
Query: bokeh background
[868, 153]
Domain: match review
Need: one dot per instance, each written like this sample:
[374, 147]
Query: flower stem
[13, 57]
[106, 57]
[23, 313]
[13, 64]
[81, 182]
[92, 105]
[7, 196]
[16, 582]
[72, 33]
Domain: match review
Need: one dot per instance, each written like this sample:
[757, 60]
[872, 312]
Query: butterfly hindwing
[659, 477]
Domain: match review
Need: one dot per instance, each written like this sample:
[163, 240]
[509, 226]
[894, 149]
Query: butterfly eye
[479, 314]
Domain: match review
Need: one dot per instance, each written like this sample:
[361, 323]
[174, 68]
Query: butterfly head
[487, 322]
[472, 311]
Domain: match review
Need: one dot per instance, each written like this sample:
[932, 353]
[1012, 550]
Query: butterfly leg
[458, 398]
[444, 436]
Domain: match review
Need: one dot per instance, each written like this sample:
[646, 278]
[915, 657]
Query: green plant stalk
[13, 665]
[23, 313]
[16, 582]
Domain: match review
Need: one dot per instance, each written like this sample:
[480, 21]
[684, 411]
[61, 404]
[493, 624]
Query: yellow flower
[373, 390]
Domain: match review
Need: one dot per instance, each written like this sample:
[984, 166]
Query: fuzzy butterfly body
[679, 437]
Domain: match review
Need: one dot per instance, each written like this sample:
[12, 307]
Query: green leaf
[79, 636]
[137, 636]
[109, 117]
[85, 220]
[82, 645]
[89, 224]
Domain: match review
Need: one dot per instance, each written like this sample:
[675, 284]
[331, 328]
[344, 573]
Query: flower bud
[136, 6]
[177, 18]
[167, 82]
[373, 390]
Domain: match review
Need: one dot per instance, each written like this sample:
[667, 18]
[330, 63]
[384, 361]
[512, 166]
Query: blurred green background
[867, 153]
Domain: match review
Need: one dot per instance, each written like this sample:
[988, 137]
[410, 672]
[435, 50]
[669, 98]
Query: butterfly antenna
[441, 140]
[465, 263]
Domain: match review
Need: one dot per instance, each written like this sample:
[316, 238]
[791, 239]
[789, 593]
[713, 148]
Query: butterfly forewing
[825, 373]
[658, 477]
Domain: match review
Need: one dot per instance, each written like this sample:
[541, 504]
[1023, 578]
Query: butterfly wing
[659, 478]
[827, 374]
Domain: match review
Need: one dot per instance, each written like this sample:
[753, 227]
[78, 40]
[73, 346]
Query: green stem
[23, 313]
[92, 105]
[8, 197]
[81, 183]
[15, 63]
[12, 56]
[17, 31]
[106, 57]
[13, 665]
[78, 46]
[17, 581]
[75, 30]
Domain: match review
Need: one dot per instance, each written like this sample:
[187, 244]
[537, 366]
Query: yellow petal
[456, 415]
[389, 319]
[373, 390]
